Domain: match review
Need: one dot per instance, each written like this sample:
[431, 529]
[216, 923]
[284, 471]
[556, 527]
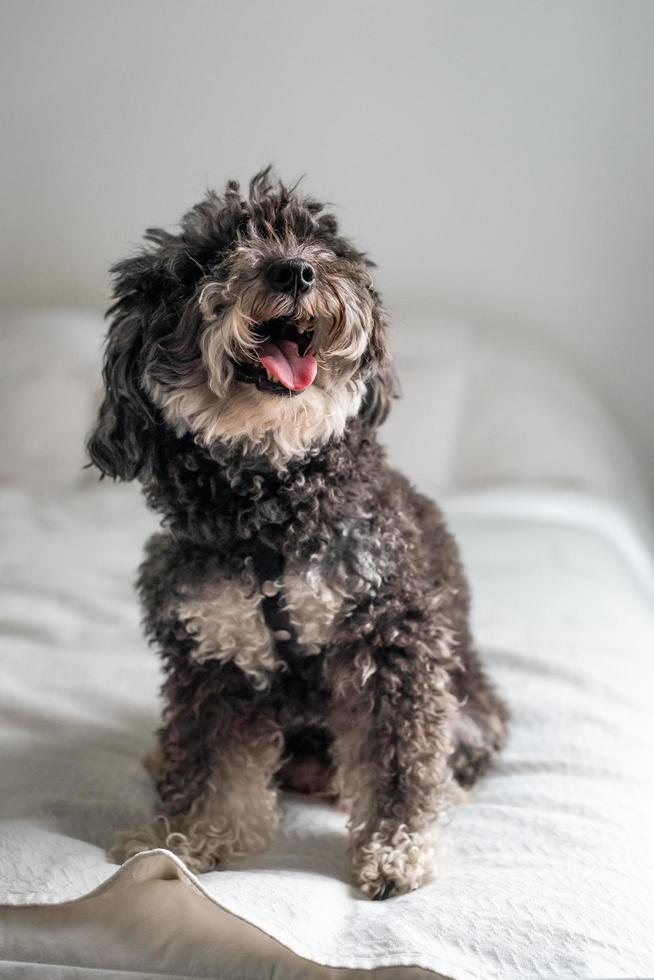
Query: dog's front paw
[147, 837]
[394, 860]
[198, 850]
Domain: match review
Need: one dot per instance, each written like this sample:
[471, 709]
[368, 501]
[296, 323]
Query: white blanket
[547, 871]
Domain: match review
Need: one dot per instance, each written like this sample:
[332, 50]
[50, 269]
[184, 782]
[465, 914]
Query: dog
[309, 604]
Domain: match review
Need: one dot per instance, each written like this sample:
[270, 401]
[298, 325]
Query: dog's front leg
[214, 768]
[391, 719]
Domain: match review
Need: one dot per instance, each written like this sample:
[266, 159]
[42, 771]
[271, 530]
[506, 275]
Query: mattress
[547, 870]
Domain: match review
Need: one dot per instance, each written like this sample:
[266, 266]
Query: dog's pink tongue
[282, 359]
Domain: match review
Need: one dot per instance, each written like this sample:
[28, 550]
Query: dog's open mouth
[286, 360]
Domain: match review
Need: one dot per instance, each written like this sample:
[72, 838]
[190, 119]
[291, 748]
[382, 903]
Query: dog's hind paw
[395, 860]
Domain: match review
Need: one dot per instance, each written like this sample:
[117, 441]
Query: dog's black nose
[291, 276]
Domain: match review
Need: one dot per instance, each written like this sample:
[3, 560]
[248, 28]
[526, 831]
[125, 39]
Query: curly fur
[309, 605]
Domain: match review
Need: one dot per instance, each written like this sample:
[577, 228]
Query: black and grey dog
[309, 604]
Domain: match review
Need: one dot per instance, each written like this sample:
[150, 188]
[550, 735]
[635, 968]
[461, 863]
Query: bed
[547, 870]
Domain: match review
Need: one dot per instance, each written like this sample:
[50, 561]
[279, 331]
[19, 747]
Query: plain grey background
[497, 159]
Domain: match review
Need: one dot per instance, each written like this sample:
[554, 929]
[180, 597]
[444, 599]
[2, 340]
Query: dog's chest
[248, 621]
[312, 603]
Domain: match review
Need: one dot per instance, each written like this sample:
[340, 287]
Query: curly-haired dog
[309, 604]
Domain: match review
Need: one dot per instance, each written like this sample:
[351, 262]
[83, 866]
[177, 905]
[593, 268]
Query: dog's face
[257, 325]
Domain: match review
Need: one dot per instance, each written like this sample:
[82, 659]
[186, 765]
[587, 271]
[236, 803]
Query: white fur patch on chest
[313, 605]
[227, 623]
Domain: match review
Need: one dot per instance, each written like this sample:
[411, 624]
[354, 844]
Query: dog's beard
[241, 396]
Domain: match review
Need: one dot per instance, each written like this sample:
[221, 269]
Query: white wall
[496, 158]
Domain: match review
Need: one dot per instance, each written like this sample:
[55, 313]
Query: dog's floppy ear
[382, 385]
[125, 430]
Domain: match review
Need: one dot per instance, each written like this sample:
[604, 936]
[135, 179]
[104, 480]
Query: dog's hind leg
[478, 738]
[479, 728]
[308, 766]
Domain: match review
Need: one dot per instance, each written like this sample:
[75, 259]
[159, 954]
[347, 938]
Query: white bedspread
[547, 871]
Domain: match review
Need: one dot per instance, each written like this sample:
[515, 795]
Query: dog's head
[258, 324]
